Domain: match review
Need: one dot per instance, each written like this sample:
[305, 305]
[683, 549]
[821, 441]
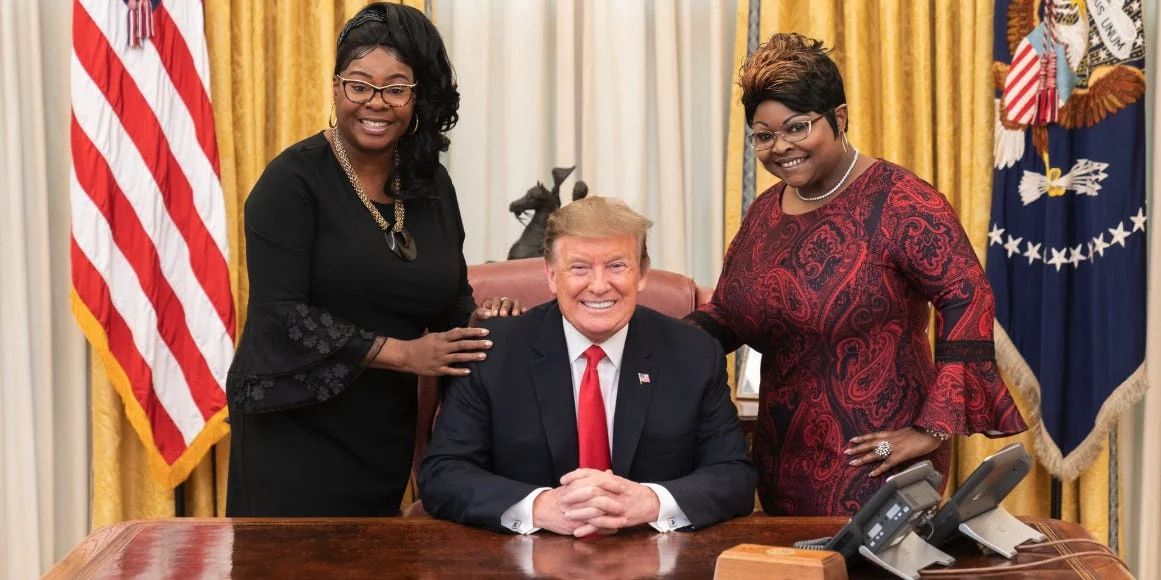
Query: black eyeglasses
[793, 133]
[361, 92]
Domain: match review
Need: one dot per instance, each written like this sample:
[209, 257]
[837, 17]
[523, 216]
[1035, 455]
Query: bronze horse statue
[541, 202]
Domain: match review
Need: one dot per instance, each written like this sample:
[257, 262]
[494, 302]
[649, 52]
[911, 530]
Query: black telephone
[978, 500]
[885, 519]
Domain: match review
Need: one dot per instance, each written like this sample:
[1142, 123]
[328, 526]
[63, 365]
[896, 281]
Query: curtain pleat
[1141, 432]
[44, 446]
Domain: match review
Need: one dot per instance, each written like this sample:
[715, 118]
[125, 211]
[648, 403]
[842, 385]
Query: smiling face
[374, 127]
[596, 281]
[811, 165]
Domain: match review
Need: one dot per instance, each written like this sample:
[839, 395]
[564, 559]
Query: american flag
[151, 285]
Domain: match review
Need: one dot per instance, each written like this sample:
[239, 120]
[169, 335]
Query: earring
[844, 142]
[334, 118]
[415, 129]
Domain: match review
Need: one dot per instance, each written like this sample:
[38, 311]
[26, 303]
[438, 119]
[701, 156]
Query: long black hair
[408, 34]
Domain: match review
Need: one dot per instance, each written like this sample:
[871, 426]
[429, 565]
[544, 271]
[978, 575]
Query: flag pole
[179, 500]
[1055, 499]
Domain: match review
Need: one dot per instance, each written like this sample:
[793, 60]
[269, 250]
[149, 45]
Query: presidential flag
[151, 286]
[1067, 240]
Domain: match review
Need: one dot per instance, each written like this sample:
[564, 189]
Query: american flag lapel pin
[643, 378]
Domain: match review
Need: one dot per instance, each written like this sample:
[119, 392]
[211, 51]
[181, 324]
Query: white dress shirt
[518, 518]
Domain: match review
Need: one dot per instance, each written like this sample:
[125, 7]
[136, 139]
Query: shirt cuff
[669, 516]
[518, 518]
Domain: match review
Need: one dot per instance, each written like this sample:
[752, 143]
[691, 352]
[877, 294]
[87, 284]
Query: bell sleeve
[933, 251]
[291, 354]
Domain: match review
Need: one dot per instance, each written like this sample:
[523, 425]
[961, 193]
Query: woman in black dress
[354, 248]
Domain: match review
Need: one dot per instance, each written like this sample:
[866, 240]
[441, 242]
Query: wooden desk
[427, 548]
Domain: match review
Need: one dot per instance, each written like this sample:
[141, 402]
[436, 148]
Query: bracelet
[937, 434]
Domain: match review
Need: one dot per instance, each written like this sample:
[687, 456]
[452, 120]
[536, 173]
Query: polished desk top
[427, 548]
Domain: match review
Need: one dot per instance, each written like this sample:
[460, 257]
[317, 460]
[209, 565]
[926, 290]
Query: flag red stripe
[178, 61]
[97, 180]
[94, 293]
[1025, 110]
[1027, 102]
[102, 64]
[1023, 91]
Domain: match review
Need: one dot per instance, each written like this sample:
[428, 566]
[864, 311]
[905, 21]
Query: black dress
[316, 432]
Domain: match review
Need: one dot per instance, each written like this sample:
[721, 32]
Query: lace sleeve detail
[965, 351]
[295, 355]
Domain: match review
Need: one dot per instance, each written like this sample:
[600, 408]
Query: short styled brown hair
[796, 71]
[597, 217]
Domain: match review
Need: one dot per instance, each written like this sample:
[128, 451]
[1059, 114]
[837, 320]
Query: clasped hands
[590, 501]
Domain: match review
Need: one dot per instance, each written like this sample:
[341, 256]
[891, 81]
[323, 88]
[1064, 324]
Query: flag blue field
[1067, 240]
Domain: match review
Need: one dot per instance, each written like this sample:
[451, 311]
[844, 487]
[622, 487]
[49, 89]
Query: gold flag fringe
[1066, 469]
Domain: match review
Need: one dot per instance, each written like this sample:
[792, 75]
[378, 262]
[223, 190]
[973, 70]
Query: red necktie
[592, 431]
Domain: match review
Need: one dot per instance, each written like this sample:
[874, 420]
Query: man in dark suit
[590, 413]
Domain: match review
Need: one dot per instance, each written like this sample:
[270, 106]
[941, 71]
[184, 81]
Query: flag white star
[1099, 245]
[1058, 258]
[1013, 246]
[1033, 252]
[1077, 256]
[1139, 220]
[994, 235]
[1119, 234]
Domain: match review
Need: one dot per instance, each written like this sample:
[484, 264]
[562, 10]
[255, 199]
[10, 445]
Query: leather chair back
[524, 280]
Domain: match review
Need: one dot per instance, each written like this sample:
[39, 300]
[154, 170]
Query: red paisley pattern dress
[836, 300]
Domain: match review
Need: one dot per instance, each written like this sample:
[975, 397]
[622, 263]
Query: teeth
[375, 124]
[600, 305]
[791, 163]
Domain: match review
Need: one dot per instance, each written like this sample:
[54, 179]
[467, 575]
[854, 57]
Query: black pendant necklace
[401, 244]
[399, 240]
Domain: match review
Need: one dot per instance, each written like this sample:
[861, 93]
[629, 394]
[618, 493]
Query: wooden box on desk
[753, 562]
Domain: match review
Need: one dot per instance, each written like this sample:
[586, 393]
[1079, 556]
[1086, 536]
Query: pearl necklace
[836, 186]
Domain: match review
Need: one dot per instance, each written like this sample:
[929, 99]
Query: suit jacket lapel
[633, 394]
[552, 382]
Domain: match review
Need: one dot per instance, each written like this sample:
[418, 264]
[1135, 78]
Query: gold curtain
[919, 88]
[270, 65]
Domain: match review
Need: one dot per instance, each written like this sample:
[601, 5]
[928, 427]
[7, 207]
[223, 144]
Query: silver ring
[883, 449]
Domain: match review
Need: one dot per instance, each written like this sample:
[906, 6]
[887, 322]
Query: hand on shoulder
[494, 306]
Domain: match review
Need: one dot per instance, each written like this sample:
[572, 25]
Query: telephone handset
[883, 531]
[890, 514]
[974, 510]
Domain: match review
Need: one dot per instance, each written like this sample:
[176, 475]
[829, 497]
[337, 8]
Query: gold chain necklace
[399, 241]
[349, 169]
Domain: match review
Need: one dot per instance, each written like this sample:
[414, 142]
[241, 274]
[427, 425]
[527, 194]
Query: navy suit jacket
[510, 426]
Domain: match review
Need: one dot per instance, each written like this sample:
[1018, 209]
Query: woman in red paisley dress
[830, 277]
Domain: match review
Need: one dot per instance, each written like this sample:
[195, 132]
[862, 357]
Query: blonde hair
[597, 217]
